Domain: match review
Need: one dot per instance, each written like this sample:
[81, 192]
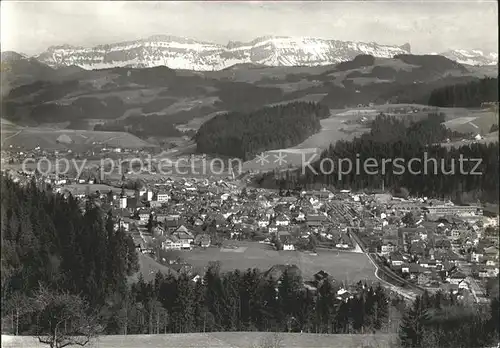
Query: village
[416, 243]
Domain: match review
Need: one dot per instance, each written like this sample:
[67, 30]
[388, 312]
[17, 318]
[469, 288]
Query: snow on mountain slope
[472, 57]
[185, 53]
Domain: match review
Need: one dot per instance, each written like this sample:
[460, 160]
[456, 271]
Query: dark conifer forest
[468, 95]
[244, 135]
[46, 239]
[142, 126]
[439, 320]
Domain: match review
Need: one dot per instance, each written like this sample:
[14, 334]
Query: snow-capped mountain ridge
[472, 57]
[186, 53]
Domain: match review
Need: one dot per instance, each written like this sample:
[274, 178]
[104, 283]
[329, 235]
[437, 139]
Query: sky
[429, 26]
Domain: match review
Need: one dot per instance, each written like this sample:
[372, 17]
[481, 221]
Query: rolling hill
[134, 99]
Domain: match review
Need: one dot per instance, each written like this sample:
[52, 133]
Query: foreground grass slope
[224, 340]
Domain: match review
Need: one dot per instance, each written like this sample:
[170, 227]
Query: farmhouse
[184, 236]
[456, 278]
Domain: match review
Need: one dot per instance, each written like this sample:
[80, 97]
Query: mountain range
[189, 54]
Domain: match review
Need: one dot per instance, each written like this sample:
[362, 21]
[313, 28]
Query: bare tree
[63, 319]
[17, 306]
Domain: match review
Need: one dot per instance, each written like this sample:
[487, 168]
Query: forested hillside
[142, 126]
[390, 139]
[439, 320]
[471, 94]
[48, 242]
[244, 135]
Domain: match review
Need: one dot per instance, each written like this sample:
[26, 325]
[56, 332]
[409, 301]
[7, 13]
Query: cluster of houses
[434, 244]
[187, 213]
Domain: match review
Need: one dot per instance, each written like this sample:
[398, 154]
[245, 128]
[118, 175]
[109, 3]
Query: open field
[222, 340]
[477, 122]
[47, 138]
[341, 266]
[332, 130]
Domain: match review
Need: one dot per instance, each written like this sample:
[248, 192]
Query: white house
[387, 248]
[272, 228]
[171, 243]
[162, 197]
[262, 223]
[144, 215]
[125, 225]
[123, 202]
[142, 191]
[464, 284]
[300, 217]
[282, 220]
[476, 256]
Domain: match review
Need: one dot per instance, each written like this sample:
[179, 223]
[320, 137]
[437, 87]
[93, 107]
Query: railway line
[387, 277]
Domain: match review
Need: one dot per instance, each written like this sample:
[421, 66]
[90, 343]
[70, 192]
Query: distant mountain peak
[472, 56]
[406, 47]
[12, 56]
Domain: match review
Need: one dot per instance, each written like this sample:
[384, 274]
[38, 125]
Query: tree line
[244, 135]
[249, 300]
[471, 94]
